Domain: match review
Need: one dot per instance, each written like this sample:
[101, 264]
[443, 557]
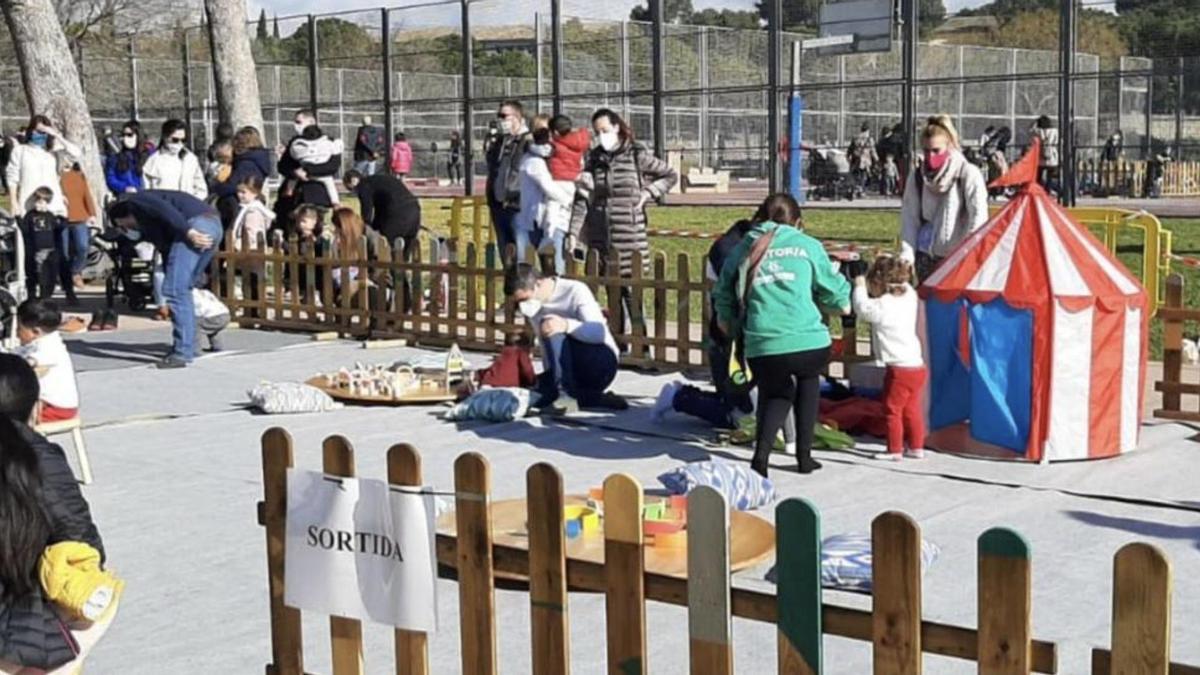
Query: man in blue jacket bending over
[187, 232]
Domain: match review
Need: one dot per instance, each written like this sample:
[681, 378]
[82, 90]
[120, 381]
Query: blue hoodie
[253, 162]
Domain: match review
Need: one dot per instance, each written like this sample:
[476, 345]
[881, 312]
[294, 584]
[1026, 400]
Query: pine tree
[275, 30]
[261, 35]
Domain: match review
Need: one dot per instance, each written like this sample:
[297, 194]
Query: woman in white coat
[945, 199]
[173, 166]
[35, 163]
[545, 206]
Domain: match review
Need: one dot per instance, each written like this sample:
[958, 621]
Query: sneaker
[216, 344]
[110, 320]
[888, 456]
[609, 401]
[915, 453]
[789, 449]
[665, 401]
[171, 363]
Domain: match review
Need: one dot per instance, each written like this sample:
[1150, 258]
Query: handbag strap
[758, 251]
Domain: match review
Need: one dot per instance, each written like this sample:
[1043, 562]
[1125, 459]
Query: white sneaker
[915, 453]
[888, 456]
[789, 449]
[666, 399]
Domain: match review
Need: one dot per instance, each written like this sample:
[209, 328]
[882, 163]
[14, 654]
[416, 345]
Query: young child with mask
[545, 203]
[40, 229]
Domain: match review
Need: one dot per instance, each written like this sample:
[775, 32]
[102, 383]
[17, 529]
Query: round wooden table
[751, 539]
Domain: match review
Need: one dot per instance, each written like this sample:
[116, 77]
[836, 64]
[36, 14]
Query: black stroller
[130, 274]
[829, 175]
[12, 276]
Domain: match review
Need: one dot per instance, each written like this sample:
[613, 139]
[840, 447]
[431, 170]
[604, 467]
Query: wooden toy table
[751, 539]
[430, 392]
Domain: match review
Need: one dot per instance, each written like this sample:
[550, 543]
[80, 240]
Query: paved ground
[177, 468]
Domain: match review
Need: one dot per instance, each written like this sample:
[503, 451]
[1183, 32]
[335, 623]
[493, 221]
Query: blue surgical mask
[38, 138]
[133, 235]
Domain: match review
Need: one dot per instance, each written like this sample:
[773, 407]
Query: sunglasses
[129, 135]
[502, 116]
[177, 139]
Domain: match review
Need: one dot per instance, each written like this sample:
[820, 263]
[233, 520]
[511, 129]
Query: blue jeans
[502, 222]
[587, 369]
[366, 167]
[75, 240]
[185, 265]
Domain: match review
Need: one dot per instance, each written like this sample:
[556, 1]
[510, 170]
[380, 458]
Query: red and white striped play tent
[1036, 336]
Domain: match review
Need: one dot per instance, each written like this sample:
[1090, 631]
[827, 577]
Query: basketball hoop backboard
[868, 22]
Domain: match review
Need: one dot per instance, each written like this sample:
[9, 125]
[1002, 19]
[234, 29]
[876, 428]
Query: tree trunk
[51, 81]
[233, 64]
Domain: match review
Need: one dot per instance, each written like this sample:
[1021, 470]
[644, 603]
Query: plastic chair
[75, 427]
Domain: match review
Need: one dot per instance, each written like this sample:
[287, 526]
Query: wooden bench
[74, 426]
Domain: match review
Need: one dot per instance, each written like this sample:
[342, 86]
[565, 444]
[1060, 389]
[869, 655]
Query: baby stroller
[12, 276]
[131, 273]
[829, 175]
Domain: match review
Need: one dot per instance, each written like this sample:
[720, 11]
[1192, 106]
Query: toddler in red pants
[886, 300]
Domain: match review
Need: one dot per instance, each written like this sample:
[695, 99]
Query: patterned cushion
[276, 398]
[500, 404]
[846, 561]
[743, 489]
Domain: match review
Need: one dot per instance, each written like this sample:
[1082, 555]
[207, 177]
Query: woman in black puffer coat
[40, 504]
[620, 177]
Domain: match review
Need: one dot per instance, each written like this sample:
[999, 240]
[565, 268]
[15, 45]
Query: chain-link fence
[415, 74]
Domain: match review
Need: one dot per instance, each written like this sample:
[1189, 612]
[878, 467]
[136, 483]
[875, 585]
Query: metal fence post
[187, 88]
[556, 54]
[703, 124]
[910, 12]
[1066, 102]
[660, 66]
[468, 135]
[539, 68]
[1147, 140]
[774, 46]
[313, 79]
[389, 126]
[133, 79]
[1179, 74]
[626, 81]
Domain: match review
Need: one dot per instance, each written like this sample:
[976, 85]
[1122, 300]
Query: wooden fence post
[624, 571]
[709, 612]
[1173, 344]
[616, 309]
[798, 566]
[1141, 622]
[660, 308]
[412, 650]
[472, 293]
[476, 595]
[896, 586]
[547, 571]
[1005, 631]
[287, 651]
[683, 310]
[345, 635]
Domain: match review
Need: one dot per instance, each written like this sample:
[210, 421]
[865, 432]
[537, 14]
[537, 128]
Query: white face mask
[129, 142]
[609, 140]
[173, 148]
[529, 308]
[299, 127]
[542, 151]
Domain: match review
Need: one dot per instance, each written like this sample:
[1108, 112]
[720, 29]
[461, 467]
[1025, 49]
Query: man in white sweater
[579, 354]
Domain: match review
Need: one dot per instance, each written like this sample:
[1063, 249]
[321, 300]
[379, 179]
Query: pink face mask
[936, 160]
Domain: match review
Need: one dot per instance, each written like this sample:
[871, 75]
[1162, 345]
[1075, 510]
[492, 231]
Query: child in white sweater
[886, 300]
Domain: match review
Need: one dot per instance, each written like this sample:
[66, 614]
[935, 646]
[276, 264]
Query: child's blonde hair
[941, 125]
[888, 274]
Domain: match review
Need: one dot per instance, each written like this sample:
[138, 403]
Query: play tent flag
[1037, 335]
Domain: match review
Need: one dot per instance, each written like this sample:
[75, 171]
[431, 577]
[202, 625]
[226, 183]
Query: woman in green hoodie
[779, 321]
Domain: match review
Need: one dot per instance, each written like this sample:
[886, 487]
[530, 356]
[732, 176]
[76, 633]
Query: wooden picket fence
[1002, 644]
[1127, 178]
[294, 289]
[1173, 386]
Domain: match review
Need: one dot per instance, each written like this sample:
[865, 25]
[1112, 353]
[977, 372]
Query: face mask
[133, 235]
[529, 308]
[173, 148]
[609, 140]
[542, 151]
[299, 128]
[129, 142]
[38, 138]
[936, 160]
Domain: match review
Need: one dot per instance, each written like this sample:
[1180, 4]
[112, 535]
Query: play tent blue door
[981, 363]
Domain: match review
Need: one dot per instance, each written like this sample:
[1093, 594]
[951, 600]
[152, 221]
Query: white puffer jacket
[182, 172]
[953, 204]
[32, 167]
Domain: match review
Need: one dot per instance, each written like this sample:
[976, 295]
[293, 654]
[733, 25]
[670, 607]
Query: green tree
[932, 13]
[1160, 28]
[337, 40]
[275, 27]
[261, 34]
[727, 18]
[506, 63]
[796, 13]
[674, 11]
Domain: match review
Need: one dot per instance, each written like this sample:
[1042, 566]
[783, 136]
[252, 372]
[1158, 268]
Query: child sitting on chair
[42, 346]
[886, 300]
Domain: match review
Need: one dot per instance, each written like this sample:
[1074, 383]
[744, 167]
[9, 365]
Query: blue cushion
[846, 561]
[502, 404]
[743, 488]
